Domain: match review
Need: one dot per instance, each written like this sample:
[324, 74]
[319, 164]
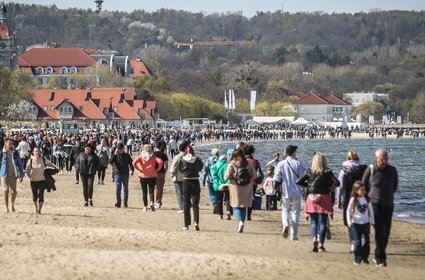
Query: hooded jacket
[217, 173]
[348, 167]
[190, 166]
[148, 165]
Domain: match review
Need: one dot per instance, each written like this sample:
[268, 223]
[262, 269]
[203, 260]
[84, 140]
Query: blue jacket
[17, 164]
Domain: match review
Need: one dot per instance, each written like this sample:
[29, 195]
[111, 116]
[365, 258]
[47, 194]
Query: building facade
[319, 109]
[8, 48]
[358, 98]
[104, 105]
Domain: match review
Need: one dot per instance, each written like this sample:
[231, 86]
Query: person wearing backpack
[217, 173]
[249, 150]
[352, 171]
[207, 175]
[240, 173]
[103, 153]
[35, 171]
[11, 169]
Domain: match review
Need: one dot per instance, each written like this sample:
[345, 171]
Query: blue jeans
[213, 198]
[318, 225]
[293, 203]
[240, 213]
[121, 180]
[361, 251]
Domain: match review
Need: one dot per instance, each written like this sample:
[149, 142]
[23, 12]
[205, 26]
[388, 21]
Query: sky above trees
[248, 7]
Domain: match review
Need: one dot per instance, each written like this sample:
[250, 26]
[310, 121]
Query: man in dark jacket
[381, 182]
[87, 164]
[122, 164]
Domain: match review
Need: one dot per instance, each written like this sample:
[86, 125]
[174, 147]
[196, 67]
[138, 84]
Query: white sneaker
[145, 209]
[285, 232]
[180, 212]
[240, 227]
[185, 228]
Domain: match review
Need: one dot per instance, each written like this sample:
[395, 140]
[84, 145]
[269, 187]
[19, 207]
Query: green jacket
[217, 173]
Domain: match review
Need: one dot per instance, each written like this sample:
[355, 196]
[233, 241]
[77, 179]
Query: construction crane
[192, 43]
[98, 5]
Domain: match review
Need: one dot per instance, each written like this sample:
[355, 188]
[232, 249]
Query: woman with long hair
[190, 166]
[148, 166]
[240, 173]
[319, 199]
[35, 171]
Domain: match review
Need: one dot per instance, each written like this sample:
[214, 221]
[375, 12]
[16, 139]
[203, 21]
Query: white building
[358, 98]
[318, 109]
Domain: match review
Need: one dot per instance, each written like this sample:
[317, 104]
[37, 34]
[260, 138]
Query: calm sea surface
[407, 155]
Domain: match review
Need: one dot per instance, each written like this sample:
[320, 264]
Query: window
[115, 109]
[73, 70]
[64, 70]
[89, 69]
[49, 70]
[39, 70]
[80, 108]
[45, 108]
[52, 108]
[60, 109]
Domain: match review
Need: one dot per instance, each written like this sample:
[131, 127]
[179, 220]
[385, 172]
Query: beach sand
[70, 241]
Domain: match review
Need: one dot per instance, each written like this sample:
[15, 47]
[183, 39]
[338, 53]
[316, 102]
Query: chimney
[88, 96]
[52, 96]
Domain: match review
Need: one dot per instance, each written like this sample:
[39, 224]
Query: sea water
[407, 155]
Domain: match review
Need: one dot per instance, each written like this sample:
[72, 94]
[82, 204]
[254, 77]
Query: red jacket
[148, 165]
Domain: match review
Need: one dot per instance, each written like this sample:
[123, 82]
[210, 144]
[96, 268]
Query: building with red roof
[7, 42]
[329, 108]
[139, 68]
[116, 105]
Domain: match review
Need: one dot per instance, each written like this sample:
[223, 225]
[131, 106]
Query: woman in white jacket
[24, 150]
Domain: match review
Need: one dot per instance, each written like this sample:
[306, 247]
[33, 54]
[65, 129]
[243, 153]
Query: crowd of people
[364, 193]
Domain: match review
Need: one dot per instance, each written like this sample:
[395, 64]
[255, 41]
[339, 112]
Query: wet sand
[69, 241]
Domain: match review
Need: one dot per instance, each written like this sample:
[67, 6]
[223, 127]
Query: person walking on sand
[121, 163]
[190, 166]
[208, 181]
[11, 169]
[249, 151]
[360, 218]
[160, 179]
[319, 204]
[35, 171]
[381, 182]
[148, 165]
[240, 173]
[103, 152]
[287, 173]
[87, 165]
[177, 176]
[352, 171]
[217, 174]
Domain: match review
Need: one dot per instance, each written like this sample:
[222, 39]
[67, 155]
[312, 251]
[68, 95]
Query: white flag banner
[371, 119]
[253, 99]
[385, 120]
[399, 121]
[226, 105]
[233, 100]
[345, 119]
[359, 118]
[230, 99]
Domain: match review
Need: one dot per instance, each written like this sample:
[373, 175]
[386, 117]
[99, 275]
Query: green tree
[273, 109]
[370, 108]
[417, 113]
[242, 105]
[14, 86]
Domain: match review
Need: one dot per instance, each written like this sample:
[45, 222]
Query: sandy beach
[69, 241]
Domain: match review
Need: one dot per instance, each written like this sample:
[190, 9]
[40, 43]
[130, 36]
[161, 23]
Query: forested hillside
[381, 51]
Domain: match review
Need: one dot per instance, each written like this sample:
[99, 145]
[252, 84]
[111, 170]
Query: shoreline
[403, 217]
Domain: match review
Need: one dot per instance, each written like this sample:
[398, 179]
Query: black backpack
[243, 178]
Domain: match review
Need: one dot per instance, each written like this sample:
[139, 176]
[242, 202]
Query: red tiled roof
[335, 100]
[139, 68]
[311, 98]
[94, 102]
[4, 31]
[91, 51]
[56, 57]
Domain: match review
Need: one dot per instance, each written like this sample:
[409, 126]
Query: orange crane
[213, 43]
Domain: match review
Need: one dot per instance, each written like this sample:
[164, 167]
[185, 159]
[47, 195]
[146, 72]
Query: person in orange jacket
[148, 165]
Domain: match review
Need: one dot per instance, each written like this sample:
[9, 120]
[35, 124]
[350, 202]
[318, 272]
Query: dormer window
[80, 108]
[49, 70]
[64, 70]
[115, 109]
[39, 70]
[73, 70]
